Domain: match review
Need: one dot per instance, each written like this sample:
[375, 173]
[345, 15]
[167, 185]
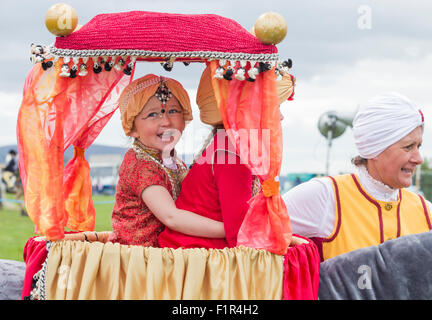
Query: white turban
[384, 120]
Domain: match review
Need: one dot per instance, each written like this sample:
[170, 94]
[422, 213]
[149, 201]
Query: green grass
[15, 229]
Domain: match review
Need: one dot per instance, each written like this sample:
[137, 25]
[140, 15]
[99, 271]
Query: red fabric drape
[55, 113]
[301, 272]
[250, 113]
[34, 254]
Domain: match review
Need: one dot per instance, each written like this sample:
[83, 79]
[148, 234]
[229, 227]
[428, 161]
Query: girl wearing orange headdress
[153, 111]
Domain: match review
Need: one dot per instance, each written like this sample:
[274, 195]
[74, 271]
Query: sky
[343, 52]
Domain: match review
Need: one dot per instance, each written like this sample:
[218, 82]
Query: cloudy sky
[344, 52]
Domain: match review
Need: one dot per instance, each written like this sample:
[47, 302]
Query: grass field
[15, 229]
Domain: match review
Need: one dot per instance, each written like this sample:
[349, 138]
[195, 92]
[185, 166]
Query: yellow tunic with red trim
[362, 221]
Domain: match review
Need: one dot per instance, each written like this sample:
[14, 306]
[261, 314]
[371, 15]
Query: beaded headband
[143, 85]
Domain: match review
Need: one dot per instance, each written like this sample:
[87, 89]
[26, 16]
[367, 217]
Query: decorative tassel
[219, 73]
[240, 74]
[83, 67]
[83, 70]
[47, 65]
[36, 49]
[37, 58]
[119, 65]
[109, 64]
[65, 71]
[252, 73]
[168, 65]
[228, 74]
[220, 70]
[39, 54]
[264, 66]
[73, 71]
[284, 67]
[96, 67]
[128, 70]
[230, 71]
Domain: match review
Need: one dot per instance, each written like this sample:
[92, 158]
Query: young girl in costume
[154, 110]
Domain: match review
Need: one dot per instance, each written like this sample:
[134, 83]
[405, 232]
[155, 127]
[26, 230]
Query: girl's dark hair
[359, 161]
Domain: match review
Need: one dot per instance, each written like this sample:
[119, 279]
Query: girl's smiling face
[157, 126]
[395, 166]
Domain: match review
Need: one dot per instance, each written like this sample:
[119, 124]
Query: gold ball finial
[61, 19]
[270, 28]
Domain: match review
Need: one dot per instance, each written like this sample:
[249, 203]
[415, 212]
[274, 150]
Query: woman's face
[158, 129]
[395, 166]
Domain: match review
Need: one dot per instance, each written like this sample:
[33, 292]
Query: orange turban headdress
[285, 88]
[135, 96]
[206, 100]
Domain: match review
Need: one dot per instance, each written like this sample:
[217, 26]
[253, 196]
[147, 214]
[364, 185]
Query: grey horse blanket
[11, 279]
[396, 269]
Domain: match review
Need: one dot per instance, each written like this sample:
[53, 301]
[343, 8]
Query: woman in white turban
[352, 211]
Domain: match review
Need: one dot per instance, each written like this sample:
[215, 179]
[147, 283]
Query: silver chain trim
[208, 55]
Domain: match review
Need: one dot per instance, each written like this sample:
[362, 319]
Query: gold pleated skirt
[80, 270]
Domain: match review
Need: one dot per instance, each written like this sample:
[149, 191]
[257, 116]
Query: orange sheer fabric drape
[250, 113]
[55, 113]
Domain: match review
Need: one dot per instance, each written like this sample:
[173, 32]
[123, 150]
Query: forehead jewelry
[163, 93]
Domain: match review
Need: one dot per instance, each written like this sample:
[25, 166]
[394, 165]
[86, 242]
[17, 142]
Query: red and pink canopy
[72, 93]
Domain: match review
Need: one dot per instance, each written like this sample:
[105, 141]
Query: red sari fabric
[132, 221]
[301, 272]
[218, 187]
[34, 255]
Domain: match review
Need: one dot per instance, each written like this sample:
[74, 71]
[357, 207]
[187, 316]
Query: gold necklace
[175, 176]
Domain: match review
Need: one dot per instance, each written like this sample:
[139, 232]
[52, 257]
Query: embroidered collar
[152, 152]
[169, 162]
[175, 170]
[375, 188]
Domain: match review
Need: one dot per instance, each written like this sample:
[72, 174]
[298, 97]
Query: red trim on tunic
[425, 212]
[318, 242]
[338, 204]
[373, 202]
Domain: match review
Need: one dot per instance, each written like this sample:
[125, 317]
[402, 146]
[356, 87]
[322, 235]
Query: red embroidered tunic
[219, 191]
[132, 221]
